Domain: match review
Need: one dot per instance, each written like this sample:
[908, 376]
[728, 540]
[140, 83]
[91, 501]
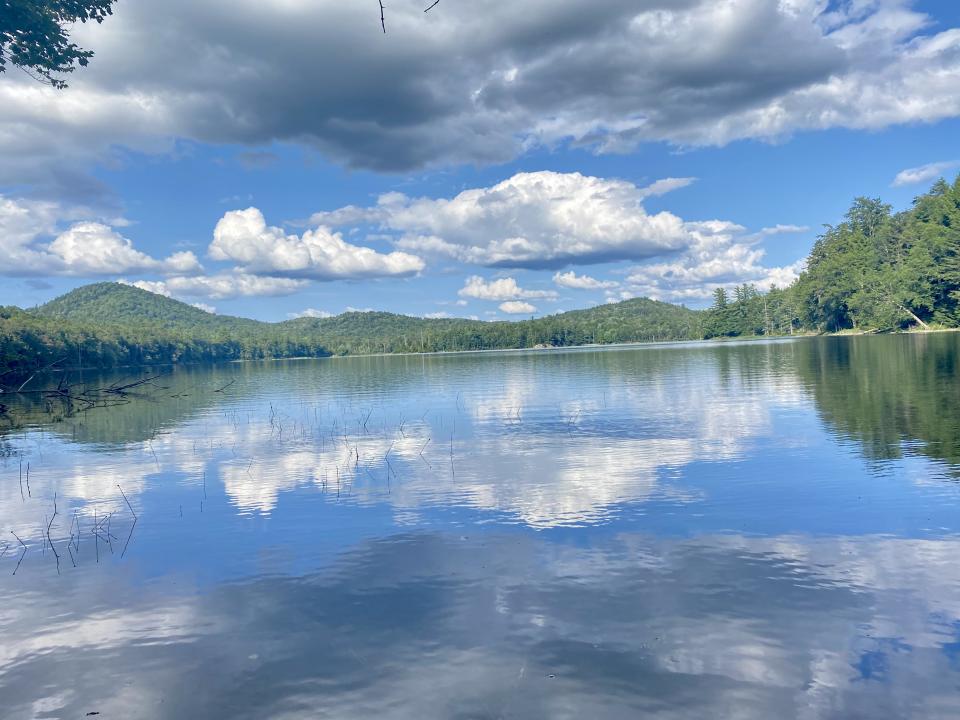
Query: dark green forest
[114, 325]
[875, 271]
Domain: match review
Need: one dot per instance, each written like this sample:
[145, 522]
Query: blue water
[748, 530]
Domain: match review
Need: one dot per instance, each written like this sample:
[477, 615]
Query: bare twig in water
[225, 386]
[115, 389]
[424, 448]
[132, 512]
[435, 3]
[21, 554]
[383, 21]
[45, 367]
[135, 519]
[96, 537]
[50, 539]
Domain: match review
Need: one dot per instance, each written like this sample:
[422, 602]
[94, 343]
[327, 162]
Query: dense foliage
[874, 271]
[34, 37]
[637, 320]
[110, 325]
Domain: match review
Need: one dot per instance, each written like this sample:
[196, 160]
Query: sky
[486, 159]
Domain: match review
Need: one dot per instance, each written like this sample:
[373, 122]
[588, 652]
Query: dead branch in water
[135, 519]
[50, 539]
[21, 554]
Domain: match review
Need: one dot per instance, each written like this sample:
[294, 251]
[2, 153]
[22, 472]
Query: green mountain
[110, 324]
[108, 303]
[638, 320]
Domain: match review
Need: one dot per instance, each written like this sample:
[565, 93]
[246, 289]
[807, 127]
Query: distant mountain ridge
[110, 324]
[109, 302]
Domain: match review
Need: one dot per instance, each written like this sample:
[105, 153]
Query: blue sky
[495, 162]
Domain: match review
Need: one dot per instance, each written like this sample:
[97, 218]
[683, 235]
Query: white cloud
[923, 173]
[721, 256]
[310, 313]
[517, 307]
[438, 315]
[86, 248]
[222, 287]
[477, 86]
[545, 219]
[206, 308]
[614, 296]
[502, 289]
[157, 287]
[582, 282]
[665, 185]
[782, 229]
[91, 248]
[244, 237]
[537, 220]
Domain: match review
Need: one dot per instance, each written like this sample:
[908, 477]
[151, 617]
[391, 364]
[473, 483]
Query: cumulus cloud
[582, 282]
[535, 220]
[502, 289]
[541, 220]
[310, 313]
[481, 85]
[92, 248]
[243, 236]
[721, 255]
[206, 308]
[86, 248]
[517, 307]
[441, 315]
[923, 173]
[221, 287]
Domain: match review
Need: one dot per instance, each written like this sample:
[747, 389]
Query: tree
[34, 36]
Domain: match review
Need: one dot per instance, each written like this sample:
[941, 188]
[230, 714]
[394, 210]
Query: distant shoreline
[587, 346]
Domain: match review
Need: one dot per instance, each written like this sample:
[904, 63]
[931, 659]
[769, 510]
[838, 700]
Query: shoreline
[587, 346]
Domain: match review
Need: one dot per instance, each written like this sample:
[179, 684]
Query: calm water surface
[751, 530]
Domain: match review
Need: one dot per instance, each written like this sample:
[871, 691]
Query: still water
[751, 530]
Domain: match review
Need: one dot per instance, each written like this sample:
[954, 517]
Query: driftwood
[80, 393]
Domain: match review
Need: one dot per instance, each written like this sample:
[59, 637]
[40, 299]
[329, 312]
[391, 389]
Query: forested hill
[875, 271]
[637, 320]
[110, 304]
[111, 324]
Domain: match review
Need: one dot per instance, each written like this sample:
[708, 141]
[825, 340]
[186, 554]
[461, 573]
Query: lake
[749, 530]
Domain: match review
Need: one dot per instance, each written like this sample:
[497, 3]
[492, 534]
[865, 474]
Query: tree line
[114, 325]
[875, 271]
